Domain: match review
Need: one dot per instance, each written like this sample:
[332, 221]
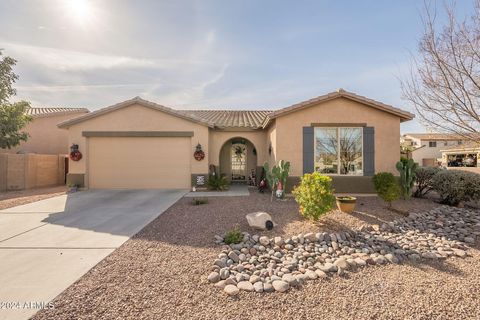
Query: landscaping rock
[245, 286]
[260, 220]
[264, 241]
[231, 290]
[263, 264]
[258, 287]
[214, 277]
[280, 286]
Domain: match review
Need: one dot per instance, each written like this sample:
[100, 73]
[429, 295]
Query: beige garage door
[139, 162]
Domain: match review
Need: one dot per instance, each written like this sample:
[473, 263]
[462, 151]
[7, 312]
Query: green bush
[314, 195]
[424, 176]
[199, 201]
[455, 186]
[233, 236]
[387, 186]
[217, 182]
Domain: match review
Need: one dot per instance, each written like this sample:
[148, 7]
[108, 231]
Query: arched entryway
[238, 161]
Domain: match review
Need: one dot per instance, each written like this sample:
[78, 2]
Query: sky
[220, 54]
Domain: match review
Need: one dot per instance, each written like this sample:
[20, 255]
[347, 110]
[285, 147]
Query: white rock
[264, 241]
[280, 286]
[258, 220]
[310, 236]
[231, 290]
[321, 274]
[245, 285]
[311, 274]
[278, 241]
[258, 287]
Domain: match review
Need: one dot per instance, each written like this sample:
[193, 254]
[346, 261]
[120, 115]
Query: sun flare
[80, 11]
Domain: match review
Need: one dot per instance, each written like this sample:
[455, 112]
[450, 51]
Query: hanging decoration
[75, 154]
[199, 155]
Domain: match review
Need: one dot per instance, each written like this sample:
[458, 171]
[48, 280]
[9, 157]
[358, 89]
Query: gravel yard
[10, 199]
[161, 272]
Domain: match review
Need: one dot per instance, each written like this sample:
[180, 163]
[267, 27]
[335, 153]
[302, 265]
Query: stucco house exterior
[141, 144]
[45, 136]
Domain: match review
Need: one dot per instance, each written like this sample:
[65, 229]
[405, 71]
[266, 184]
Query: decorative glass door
[239, 161]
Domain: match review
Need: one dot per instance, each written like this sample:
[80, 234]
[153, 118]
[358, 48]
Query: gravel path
[10, 199]
[161, 273]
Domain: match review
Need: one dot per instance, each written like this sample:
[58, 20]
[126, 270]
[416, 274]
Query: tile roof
[232, 118]
[53, 111]
[434, 136]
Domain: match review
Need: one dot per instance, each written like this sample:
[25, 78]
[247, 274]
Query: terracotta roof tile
[53, 110]
[232, 118]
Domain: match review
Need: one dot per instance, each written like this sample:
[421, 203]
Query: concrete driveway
[47, 245]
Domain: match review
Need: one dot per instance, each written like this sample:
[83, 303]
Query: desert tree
[13, 115]
[444, 80]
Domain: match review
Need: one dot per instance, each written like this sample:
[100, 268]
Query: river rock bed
[264, 264]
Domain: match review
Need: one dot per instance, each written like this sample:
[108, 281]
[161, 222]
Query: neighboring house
[45, 137]
[141, 144]
[426, 148]
[465, 157]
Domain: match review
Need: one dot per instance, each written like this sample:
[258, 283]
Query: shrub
[217, 182]
[424, 176]
[387, 187]
[455, 186]
[314, 195]
[199, 201]
[233, 236]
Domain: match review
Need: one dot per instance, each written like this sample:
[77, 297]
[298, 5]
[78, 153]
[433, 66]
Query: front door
[238, 155]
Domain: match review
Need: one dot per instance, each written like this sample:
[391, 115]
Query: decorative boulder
[260, 220]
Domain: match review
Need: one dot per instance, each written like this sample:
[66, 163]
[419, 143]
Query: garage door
[139, 162]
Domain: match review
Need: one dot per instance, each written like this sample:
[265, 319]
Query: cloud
[70, 60]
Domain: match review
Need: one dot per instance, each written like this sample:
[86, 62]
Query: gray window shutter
[368, 151]
[308, 152]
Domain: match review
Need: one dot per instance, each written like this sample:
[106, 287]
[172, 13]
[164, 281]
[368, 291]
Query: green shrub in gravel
[314, 195]
[424, 176]
[387, 187]
[199, 201]
[455, 186]
[233, 236]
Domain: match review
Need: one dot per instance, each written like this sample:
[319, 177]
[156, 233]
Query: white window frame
[338, 152]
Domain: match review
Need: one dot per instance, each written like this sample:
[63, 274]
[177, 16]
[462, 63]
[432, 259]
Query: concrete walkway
[235, 190]
[47, 245]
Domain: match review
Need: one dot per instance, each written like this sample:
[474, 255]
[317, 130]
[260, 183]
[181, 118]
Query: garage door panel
[140, 162]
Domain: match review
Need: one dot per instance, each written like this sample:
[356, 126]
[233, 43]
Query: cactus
[277, 177]
[407, 176]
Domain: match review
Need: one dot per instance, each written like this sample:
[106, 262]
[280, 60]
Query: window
[462, 160]
[339, 151]
[432, 144]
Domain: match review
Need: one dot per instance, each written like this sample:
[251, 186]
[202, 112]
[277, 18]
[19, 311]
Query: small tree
[314, 195]
[13, 116]
[387, 187]
[444, 82]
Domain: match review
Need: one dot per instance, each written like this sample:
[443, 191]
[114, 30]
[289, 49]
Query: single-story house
[141, 144]
[44, 135]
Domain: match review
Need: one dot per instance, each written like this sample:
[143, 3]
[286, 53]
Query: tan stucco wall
[257, 138]
[289, 141]
[45, 136]
[272, 141]
[139, 118]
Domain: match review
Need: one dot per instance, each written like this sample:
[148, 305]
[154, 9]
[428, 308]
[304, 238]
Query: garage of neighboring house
[137, 145]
